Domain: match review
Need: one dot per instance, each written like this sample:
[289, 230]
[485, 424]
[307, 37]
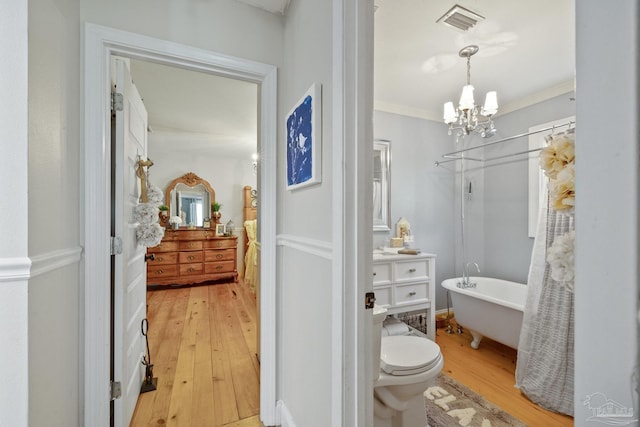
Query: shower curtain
[545, 370]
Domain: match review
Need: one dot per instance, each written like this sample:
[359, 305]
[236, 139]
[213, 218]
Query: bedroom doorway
[100, 44]
[203, 338]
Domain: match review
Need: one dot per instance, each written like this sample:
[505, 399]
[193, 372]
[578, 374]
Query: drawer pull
[374, 273]
[159, 271]
[411, 294]
[219, 256]
[190, 270]
[191, 257]
[219, 267]
[159, 259]
[412, 270]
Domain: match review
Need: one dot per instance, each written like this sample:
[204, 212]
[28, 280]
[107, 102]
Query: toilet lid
[407, 355]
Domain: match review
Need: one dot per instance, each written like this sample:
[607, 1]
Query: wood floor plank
[224, 403]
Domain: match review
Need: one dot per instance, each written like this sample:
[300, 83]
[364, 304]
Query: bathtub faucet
[466, 281]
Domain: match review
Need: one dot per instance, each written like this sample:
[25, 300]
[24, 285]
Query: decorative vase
[216, 215]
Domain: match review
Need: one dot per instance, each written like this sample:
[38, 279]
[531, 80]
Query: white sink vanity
[406, 283]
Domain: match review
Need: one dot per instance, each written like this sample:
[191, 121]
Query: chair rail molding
[15, 269]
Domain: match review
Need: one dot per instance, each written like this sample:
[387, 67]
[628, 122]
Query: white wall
[55, 288]
[304, 229]
[607, 204]
[14, 262]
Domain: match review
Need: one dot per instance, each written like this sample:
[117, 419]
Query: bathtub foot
[476, 339]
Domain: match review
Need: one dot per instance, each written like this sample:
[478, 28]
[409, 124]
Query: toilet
[405, 366]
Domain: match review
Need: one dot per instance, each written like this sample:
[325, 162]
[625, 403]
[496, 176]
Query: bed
[250, 225]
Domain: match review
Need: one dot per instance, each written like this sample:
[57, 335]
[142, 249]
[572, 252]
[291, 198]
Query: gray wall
[507, 247]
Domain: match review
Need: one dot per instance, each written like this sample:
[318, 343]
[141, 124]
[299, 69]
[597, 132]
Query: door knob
[148, 257]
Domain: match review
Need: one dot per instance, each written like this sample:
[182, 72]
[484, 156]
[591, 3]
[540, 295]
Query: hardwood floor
[202, 341]
[490, 372]
[203, 347]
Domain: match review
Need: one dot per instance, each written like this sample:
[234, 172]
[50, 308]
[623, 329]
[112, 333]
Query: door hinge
[115, 390]
[116, 101]
[369, 300]
[116, 245]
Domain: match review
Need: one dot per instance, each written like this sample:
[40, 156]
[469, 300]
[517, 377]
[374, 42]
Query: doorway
[201, 338]
[100, 44]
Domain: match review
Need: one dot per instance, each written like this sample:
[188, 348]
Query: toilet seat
[408, 355]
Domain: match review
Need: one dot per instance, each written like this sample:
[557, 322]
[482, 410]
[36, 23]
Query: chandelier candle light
[467, 113]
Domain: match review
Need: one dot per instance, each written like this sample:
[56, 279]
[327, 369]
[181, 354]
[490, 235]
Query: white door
[129, 271]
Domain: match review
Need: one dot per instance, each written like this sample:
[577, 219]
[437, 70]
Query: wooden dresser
[187, 256]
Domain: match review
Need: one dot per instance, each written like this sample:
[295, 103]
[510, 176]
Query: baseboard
[443, 312]
[284, 416]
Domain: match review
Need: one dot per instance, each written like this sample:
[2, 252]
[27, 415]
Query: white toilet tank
[379, 314]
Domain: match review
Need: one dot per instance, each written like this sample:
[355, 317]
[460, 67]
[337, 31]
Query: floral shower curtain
[545, 370]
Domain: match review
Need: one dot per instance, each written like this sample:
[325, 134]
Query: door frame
[99, 44]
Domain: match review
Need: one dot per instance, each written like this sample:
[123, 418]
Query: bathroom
[427, 190]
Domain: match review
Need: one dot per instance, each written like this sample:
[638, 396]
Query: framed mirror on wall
[381, 185]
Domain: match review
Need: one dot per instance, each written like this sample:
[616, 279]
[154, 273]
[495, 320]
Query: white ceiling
[526, 55]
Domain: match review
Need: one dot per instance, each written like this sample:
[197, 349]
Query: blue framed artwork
[304, 140]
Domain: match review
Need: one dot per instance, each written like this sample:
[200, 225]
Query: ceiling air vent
[460, 18]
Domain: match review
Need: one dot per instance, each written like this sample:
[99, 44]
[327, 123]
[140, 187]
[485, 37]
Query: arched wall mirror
[190, 198]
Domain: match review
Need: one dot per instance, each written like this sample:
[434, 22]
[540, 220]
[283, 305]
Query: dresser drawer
[411, 270]
[411, 294]
[219, 243]
[219, 267]
[381, 273]
[164, 247]
[161, 258]
[219, 254]
[190, 257]
[161, 271]
[190, 245]
[188, 269]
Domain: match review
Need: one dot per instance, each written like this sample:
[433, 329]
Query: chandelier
[464, 120]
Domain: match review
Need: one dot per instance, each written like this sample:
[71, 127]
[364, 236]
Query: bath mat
[450, 403]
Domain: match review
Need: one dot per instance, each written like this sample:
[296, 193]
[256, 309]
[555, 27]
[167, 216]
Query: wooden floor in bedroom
[203, 347]
[490, 372]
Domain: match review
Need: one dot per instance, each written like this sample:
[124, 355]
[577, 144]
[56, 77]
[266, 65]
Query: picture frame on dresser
[221, 229]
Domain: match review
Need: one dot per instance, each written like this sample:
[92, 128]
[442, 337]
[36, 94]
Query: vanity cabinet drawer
[220, 243]
[161, 258]
[384, 295]
[411, 294]
[381, 273]
[219, 255]
[159, 271]
[411, 270]
[164, 247]
[187, 269]
[219, 267]
[190, 246]
[190, 257]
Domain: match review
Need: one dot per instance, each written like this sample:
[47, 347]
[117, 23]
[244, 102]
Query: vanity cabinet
[406, 283]
[188, 256]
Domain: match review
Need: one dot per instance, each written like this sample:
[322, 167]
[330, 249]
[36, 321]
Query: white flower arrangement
[149, 235]
[175, 220]
[562, 189]
[155, 195]
[561, 259]
[557, 154]
[145, 213]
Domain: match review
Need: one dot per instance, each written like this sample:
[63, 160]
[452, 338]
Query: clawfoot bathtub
[493, 308]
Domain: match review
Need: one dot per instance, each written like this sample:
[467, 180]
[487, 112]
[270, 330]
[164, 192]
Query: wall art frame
[304, 140]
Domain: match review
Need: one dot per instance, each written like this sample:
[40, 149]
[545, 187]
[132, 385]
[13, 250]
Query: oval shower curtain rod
[452, 156]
